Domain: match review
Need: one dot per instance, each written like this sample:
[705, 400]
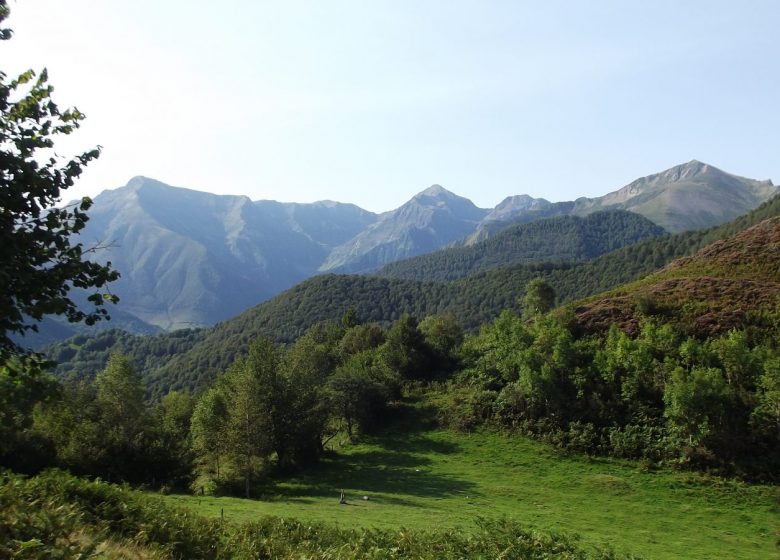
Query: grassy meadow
[417, 476]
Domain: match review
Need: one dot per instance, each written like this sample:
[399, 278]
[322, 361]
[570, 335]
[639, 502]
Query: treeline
[661, 396]
[273, 409]
[560, 239]
[84, 355]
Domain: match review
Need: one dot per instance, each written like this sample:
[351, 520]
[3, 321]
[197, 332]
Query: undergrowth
[56, 515]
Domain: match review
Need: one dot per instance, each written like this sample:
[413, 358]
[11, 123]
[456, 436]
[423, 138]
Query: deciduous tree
[539, 298]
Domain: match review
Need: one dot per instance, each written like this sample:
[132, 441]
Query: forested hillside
[187, 359]
[563, 239]
[682, 366]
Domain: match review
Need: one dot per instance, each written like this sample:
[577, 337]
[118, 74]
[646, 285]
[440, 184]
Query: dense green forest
[188, 359]
[659, 393]
[275, 406]
[562, 239]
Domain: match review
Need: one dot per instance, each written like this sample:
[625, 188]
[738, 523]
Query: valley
[620, 404]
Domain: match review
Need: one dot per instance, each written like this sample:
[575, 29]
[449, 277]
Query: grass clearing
[417, 476]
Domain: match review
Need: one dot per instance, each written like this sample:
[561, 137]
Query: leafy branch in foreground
[40, 262]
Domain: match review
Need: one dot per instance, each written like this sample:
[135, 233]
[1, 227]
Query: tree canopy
[539, 298]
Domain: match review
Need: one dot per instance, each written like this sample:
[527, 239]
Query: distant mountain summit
[518, 209]
[431, 219]
[693, 195]
[514, 204]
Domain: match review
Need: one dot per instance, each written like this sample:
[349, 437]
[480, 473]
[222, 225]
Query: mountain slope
[686, 197]
[193, 258]
[516, 210]
[325, 222]
[722, 286]
[190, 258]
[691, 196]
[432, 219]
[566, 239]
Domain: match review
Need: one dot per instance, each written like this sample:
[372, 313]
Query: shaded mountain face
[189, 258]
[432, 219]
[690, 196]
[326, 223]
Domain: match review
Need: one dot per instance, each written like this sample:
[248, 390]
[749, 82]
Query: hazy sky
[370, 101]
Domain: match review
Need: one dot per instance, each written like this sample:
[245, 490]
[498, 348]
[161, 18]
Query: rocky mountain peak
[434, 193]
[689, 170]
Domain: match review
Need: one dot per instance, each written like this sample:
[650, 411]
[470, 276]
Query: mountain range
[189, 258]
[187, 359]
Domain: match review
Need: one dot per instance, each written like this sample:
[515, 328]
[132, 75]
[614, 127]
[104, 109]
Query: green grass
[417, 476]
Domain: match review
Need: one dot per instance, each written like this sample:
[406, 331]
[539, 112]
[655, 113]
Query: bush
[105, 509]
[638, 441]
[38, 528]
[584, 438]
[465, 408]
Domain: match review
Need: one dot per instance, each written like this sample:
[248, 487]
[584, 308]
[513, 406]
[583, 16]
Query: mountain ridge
[190, 258]
[433, 218]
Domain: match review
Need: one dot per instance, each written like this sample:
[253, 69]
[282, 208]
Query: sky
[371, 101]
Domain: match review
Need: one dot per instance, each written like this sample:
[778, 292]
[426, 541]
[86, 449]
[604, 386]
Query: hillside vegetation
[727, 284]
[58, 516]
[188, 359]
[668, 384]
[563, 239]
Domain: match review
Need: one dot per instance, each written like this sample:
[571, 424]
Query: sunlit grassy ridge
[419, 477]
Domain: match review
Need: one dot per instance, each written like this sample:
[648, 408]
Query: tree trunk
[246, 481]
[248, 452]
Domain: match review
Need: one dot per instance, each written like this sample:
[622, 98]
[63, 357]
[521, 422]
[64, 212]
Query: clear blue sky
[371, 101]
